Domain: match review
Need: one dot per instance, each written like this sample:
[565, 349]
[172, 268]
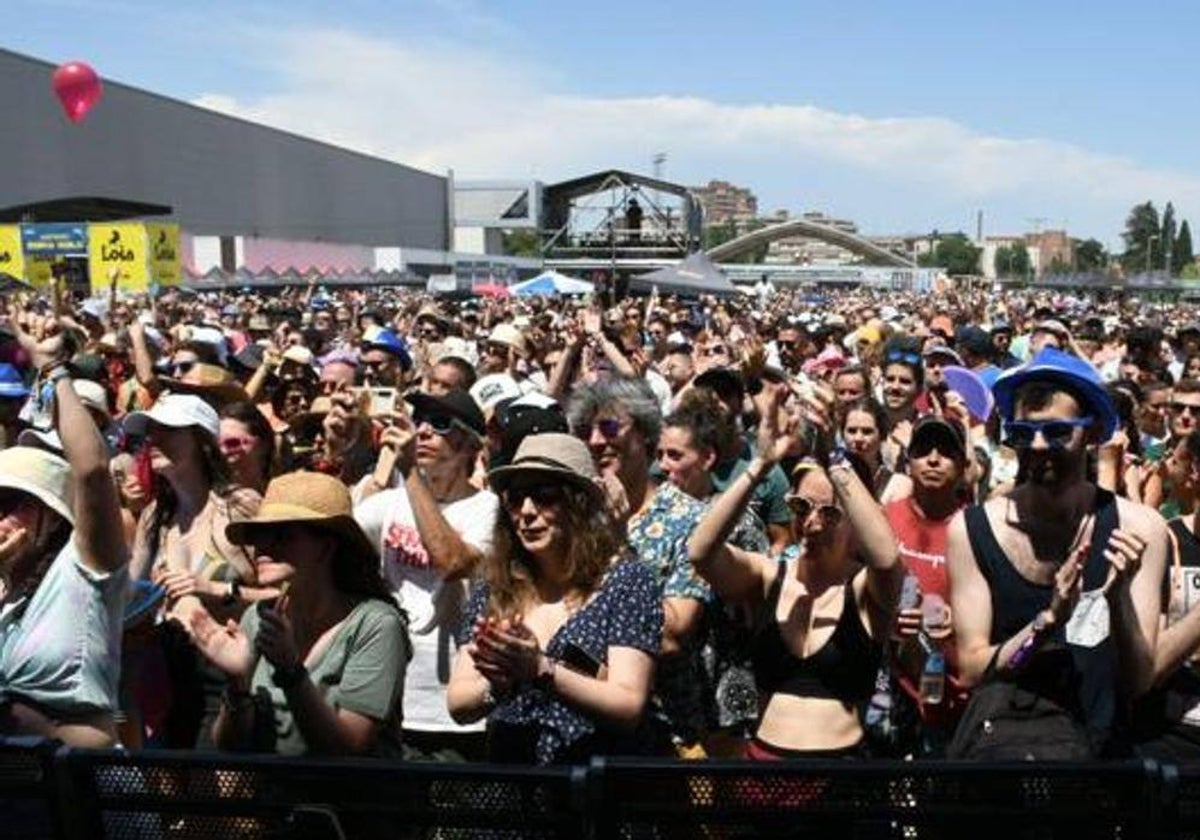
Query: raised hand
[399, 444]
[344, 424]
[1124, 555]
[276, 639]
[1068, 584]
[776, 428]
[225, 645]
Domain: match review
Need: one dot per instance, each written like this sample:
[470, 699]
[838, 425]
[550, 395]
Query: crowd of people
[838, 523]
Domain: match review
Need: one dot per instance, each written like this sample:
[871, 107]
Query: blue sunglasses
[1020, 434]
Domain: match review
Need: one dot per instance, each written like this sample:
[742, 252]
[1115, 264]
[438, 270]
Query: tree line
[1153, 244]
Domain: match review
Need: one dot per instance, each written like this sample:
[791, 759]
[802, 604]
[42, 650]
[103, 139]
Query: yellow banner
[120, 247]
[12, 257]
[166, 262]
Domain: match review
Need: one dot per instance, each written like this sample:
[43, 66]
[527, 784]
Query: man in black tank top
[1055, 587]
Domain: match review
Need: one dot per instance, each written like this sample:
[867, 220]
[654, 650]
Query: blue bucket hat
[1074, 374]
[12, 384]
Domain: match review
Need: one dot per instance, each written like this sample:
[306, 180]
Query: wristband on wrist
[289, 678]
[56, 372]
[1024, 651]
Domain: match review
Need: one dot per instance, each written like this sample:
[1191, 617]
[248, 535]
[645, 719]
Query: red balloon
[78, 88]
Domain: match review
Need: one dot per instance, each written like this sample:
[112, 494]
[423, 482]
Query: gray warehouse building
[242, 193]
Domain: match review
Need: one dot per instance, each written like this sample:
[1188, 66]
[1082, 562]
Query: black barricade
[1183, 781]
[28, 798]
[184, 795]
[884, 799]
[76, 794]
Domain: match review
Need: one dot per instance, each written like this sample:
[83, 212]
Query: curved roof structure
[803, 227]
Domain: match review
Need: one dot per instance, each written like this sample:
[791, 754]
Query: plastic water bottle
[933, 678]
[879, 710]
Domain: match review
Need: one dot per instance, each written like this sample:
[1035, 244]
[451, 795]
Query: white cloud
[446, 105]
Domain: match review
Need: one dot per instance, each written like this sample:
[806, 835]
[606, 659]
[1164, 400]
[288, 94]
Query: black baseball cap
[932, 430]
[457, 404]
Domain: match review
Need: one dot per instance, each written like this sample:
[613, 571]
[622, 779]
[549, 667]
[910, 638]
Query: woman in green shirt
[320, 671]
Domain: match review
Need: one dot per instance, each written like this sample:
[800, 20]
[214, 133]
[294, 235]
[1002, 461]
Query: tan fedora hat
[312, 499]
[550, 454]
[510, 336]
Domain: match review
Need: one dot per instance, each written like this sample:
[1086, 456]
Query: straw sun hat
[312, 499]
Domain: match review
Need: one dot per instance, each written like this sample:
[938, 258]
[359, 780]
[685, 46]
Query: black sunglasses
[1186, 408]
[180, 368]
[441, 424]
[1020, 434]
[541, 495]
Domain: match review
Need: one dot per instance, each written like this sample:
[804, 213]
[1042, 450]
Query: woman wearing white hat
[62, 584]
[181, 545]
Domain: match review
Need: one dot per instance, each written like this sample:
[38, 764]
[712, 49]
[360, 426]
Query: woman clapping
[561, 633]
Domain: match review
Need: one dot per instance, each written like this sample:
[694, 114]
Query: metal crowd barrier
[49, 791]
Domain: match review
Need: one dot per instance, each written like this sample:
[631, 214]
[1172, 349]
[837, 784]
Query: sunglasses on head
[1186, 408]
[803, 507]
[1020, 434]
[902, 356]
[541, 495]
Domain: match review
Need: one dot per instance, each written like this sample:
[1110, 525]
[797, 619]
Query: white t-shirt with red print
[434, 606]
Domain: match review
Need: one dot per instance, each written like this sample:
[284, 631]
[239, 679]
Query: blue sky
[901, 115]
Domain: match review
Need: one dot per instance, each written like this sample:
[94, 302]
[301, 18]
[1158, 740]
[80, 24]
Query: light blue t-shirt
[61, 647]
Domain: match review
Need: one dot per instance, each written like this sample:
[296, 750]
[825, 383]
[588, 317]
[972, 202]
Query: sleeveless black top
[843, 669]
[1189, 546]
[1080, 680]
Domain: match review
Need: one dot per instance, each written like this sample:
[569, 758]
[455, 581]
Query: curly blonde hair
[593, 541]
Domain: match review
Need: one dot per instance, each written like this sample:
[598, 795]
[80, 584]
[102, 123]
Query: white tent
[552, 283]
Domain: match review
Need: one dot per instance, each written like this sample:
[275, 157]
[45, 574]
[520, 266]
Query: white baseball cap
[493, 389]
[176, 411]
